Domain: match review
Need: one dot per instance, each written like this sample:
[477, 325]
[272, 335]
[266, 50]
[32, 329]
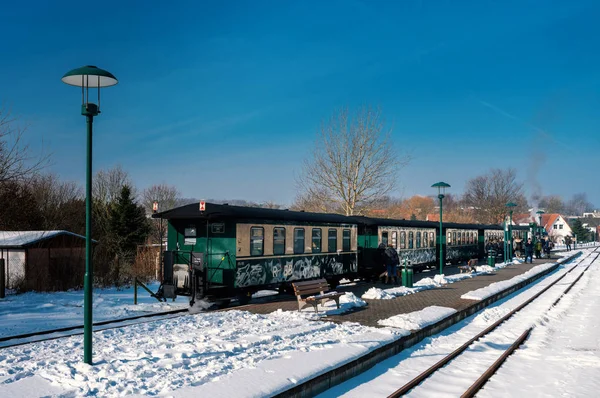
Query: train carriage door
[384, 238]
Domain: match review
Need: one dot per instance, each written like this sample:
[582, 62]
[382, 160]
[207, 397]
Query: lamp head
[441, 187]
[87, 77]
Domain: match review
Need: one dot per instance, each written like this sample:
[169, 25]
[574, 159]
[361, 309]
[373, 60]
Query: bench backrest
[310, 287]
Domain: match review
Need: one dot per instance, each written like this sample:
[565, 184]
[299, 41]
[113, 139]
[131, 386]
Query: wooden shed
[42, 260]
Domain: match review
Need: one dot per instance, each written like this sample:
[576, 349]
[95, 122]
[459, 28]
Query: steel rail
[70, 328]
[484, 378]
[432, 369]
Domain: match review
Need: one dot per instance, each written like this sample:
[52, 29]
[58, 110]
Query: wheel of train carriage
[244, 297]
[333, 281]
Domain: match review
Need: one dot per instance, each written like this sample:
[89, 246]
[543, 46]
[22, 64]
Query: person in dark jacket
[529, 251]
[548, 245]
[392, 261]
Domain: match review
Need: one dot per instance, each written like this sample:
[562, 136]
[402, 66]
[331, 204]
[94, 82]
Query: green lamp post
[511, 207]
[441, 187]
[88, 77]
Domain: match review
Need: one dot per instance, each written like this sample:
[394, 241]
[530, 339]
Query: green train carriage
[233, 251]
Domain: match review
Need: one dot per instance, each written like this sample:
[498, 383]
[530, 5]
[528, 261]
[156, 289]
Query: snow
[438, 280]
[560, 358]
[419, 319]
[21, 238]
[496, 287]
[238, 353]
[32, 312]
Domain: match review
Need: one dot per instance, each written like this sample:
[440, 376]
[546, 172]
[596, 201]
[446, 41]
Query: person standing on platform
[568, 243]
[392, 262]
[529, 251]
[538, 249]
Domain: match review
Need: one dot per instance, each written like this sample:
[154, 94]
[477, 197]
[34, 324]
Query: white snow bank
[496, 287]
[266, 353]
[418, 319]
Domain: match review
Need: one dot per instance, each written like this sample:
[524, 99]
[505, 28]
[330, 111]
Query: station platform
[445, 296]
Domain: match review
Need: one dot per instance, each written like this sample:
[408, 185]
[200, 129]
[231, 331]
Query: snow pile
[266, 353]
[484, 269]
[490, 315]
[430, 283]
[496, 287]
[418, 319]
[265, 293]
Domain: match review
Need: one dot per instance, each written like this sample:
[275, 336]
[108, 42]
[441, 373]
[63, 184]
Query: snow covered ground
[233, 353]
[561, 357]
[33, 312]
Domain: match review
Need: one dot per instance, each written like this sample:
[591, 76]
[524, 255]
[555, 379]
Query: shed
[42, 260]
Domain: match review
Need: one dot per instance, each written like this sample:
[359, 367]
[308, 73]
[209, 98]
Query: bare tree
[578, 205]
[315, 201]
[53, 198]
[165, 195]
[353, 163]
[552, 204]
[107, 184]
[488, 195]
[16, 162]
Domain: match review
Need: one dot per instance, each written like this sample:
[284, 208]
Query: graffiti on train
[262, 272]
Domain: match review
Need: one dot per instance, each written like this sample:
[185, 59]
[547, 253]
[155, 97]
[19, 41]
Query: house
[557, 227]
[555, 224]
[42, 260]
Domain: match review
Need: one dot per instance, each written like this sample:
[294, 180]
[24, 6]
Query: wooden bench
[319, 286]
[469, 267]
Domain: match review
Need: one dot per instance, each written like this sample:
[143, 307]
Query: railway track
[421, 380]
[53, 334]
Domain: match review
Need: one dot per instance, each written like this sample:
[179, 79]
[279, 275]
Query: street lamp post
[441, 187]
[88, 77]
[511, 207]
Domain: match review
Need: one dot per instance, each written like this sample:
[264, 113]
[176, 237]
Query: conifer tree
[129, 224]
[580, 231]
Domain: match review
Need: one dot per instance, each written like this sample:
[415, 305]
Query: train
[220, 251]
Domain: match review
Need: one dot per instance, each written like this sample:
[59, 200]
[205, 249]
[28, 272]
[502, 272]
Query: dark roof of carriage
[394, 222]
[215, 211]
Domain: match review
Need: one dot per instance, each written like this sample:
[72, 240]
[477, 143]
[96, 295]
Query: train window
[470, 238]
[332, 241]
[402, 240]
[456, 241]
[418, 240]
[384, 238]
[449, 238]
[316, 240]
[190, 232]
[431, 240]
[257, 242]
[395, 239]
[411, 238]
[278, 240]
[346, 240]
[425, 244]
[298, 240]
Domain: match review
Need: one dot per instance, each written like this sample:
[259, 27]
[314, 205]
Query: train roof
[215, 211]
[394, 222]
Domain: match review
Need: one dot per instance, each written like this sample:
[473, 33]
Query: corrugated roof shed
[22, 239]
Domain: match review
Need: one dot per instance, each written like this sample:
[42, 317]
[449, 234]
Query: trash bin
[407, 274]
[492, 258]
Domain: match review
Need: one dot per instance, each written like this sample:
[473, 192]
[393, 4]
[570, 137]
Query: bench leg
[337, 302]
[316, 304]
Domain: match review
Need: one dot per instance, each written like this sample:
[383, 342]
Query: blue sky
[223, 99]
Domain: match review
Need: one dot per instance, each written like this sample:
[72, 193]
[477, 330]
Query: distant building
[42, 260]
[555, 224]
